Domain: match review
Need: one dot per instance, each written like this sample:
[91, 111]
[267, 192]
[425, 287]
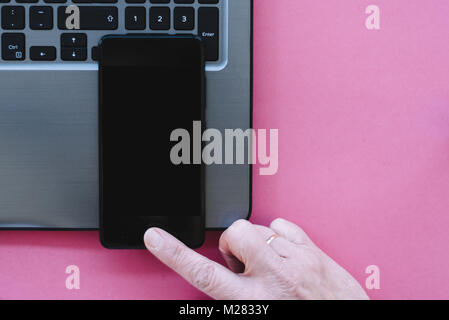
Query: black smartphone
[150, 86]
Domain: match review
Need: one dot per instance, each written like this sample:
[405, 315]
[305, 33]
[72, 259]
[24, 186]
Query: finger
[232, 262]
[244, 242]
[236, 265]
[282, 246]
[208, 276]
[290, 231]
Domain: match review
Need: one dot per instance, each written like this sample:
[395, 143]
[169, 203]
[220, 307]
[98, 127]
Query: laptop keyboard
[34, 32]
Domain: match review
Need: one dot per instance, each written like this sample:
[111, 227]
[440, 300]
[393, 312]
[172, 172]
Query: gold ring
[270, 239]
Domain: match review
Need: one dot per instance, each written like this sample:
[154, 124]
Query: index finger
[206, 275]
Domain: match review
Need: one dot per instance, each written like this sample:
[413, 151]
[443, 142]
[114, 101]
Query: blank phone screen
[149, 87]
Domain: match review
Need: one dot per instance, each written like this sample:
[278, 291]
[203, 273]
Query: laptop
[49, 102]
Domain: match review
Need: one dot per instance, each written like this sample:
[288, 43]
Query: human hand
[279, 262]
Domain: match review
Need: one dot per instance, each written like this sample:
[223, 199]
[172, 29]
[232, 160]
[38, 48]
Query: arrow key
[73, 54]
[73, 40]
[38, 53]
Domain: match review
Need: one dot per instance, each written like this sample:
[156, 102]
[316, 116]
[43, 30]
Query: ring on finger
[271, 238]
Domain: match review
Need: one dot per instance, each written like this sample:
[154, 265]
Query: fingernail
[153, 239]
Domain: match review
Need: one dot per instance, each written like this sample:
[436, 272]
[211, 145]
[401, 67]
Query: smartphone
[149, 86]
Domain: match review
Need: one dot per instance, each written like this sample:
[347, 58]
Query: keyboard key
[73, 54]
[40, 53]
[92, 18]
[13, 46]
[94, 1]
[208, 1]
[184, 18]
[160, 1]
[73, 40]
[160, 18]
[95, 54]
[41, 17]
[13, 17]
[135, 18]
[208, 29]
[184, 1]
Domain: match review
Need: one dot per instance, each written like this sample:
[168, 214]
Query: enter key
[208, 29]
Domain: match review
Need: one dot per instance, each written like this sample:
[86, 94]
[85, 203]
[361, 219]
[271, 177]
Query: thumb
[206, 275]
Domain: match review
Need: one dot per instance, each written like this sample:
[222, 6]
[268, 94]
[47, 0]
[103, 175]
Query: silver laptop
[49, 102]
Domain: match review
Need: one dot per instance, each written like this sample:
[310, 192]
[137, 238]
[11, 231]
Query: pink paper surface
[363, 119]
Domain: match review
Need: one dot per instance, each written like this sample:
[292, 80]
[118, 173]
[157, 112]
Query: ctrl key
[13, 46]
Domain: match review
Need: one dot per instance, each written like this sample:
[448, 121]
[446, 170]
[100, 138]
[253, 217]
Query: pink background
[364, 157]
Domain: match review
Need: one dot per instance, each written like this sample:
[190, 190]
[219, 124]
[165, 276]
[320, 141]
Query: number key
[184, 18]
[135, 18]
[160, 18]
